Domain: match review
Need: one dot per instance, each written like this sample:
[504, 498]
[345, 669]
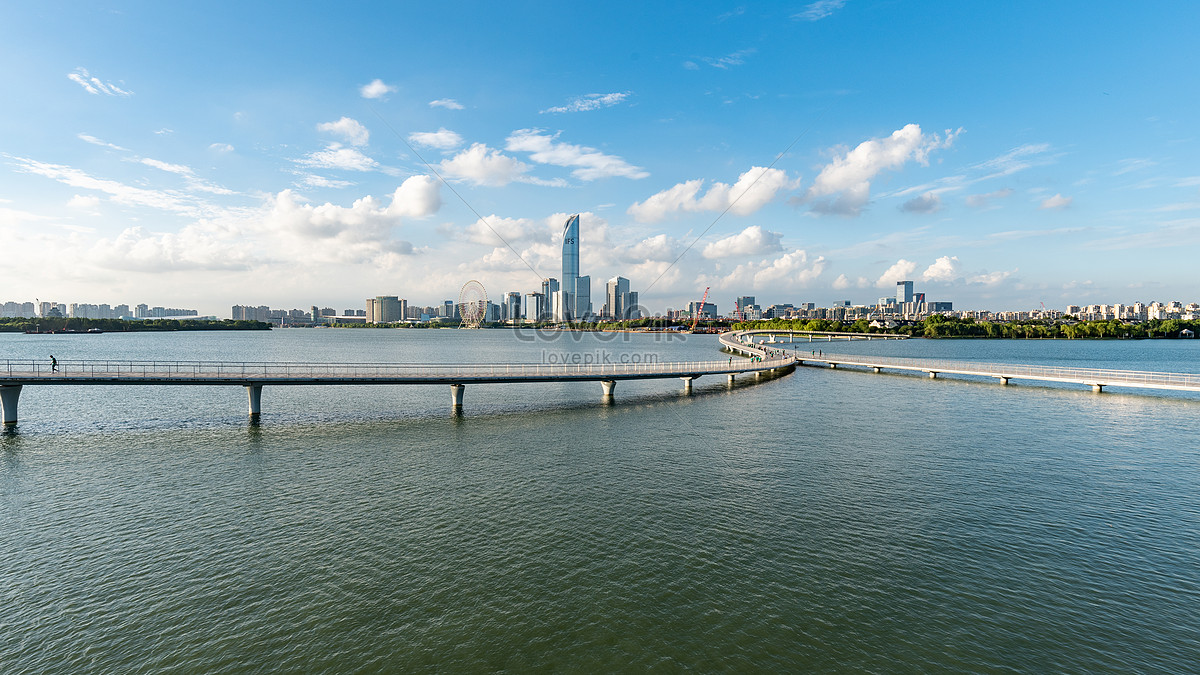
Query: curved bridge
[15, 374]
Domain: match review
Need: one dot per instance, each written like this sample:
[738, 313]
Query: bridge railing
[1090, 375]
[118, 369]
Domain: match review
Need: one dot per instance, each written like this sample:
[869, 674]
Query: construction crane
[696, 314]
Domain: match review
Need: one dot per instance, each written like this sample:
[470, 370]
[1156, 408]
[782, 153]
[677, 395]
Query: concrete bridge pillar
[254, 391]
[731, 378]
[1098, 388]
[878, 370]
[8, 404]
[932, 375]
[1003, 380]
[687, 384]
[609, 386]
[456, 395]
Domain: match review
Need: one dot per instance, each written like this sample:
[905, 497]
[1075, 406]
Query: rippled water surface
[824, 520]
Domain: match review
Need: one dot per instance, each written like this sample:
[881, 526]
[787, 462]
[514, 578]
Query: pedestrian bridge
[15, 374]
[1096, 378]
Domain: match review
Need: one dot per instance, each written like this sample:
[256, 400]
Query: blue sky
[1001, 155]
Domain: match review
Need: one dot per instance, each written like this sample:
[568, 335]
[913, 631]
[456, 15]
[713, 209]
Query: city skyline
[780, 152]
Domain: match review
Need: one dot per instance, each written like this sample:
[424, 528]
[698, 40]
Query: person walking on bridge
[53, 364]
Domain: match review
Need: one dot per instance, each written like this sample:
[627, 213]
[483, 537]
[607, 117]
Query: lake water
[824, 520]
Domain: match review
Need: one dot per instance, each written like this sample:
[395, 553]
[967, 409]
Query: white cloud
[337, 157]
[222, 148]
[789, 271]
[442, 139]
[83, 202]
[753, 190]
[358, 233]
[312, 180]
[448, 103]
[847, 179]
[592, 164]
[195, 247]
[983, 200]
[926, 203]
[901, 271]
[1017, 159]
[417, 197]
[843, 282]
[819, 10]
[751, 241]
[991, 279]
[93, 85]
[482, 165]
[96, 141]
[945, 268]
[194, 181]
[724, 62]
[121, 193]
[376, 89]
[1056, 202]
[164, 131]
[590, 102]
[350, 130]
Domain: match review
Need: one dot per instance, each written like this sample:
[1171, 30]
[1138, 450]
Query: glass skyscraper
[570, 268]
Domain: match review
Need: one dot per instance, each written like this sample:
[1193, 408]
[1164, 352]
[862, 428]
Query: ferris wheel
[472, 304]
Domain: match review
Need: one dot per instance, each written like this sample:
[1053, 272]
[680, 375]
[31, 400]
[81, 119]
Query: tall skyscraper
[570, 268]
[583, 297]
[904, 291]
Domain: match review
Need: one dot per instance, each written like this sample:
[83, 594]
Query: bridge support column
[687, 384]
[1098, 388]
[608, 386]
[254, 391]
[8, 404]
[456, 396]
[1003, 380]
[833, 365]
[932, 375]
[877, 369]
[731, 378]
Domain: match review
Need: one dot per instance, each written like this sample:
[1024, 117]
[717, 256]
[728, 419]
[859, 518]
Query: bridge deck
[1096, 378]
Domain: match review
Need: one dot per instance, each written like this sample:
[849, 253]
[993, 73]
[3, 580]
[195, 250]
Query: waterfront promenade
[15, 374]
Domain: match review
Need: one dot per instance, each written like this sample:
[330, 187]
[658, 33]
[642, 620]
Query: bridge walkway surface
[15, 374]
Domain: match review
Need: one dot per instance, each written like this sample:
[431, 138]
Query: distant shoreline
[54, 326]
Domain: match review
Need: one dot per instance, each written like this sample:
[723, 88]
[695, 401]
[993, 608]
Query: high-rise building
[383, 309]
[620, 301]
[570, 266]
[904, 292]
[535, 306]
[512, 306]
[583, 297]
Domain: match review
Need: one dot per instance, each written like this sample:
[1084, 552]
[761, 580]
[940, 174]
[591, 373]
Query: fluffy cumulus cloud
[482, 165]
[751, 241]
[197, 247]
[844, 185]
[589, 102]
[945, 268]
[350, 130]
[842, 282]
[94, 85]
[83, 202]
[901, 271]
[589, 163]
[447, 103]
[336, 156]
[792, 270]
[376, 89]
[417, 197]
[926, 203]
[988, 199]
[753, 190]
[1056, 202]
[442, 139]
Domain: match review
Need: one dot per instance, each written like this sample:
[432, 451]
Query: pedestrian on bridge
[53, 364]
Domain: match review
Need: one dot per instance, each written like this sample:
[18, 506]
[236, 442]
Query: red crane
[696, 314]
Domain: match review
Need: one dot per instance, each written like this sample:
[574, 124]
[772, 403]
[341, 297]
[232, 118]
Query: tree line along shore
[938, 326]
[51, 325]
